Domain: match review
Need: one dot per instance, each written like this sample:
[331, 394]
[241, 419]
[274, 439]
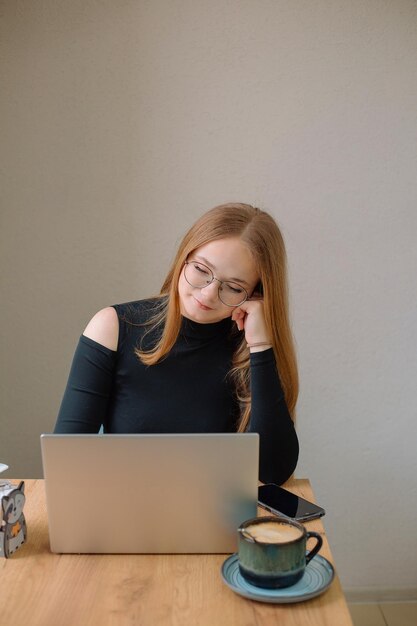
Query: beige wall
[124, 120]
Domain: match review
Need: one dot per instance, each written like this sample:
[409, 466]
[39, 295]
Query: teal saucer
[318, 577]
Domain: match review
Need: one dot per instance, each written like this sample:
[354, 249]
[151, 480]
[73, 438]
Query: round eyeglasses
[199, 275]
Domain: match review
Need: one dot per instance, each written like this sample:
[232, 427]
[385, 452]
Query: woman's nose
[211, 290]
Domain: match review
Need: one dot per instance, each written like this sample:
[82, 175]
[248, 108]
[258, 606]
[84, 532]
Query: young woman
[212, 353]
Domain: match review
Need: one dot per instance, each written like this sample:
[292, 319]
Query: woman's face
[229, 260]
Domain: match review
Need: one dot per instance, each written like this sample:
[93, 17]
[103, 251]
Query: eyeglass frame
[221, 282]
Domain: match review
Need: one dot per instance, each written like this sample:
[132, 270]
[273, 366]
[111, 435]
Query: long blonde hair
[260, 233]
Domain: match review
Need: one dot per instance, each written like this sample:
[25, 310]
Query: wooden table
[38, 588]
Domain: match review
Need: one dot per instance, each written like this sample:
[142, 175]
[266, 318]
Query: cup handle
[316, 548]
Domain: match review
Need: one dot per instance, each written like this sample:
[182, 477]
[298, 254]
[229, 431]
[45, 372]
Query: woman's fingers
[249, 317]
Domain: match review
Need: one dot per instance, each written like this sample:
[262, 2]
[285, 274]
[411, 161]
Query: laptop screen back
[173, 493]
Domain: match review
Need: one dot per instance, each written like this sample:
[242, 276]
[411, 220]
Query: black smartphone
[282, 502]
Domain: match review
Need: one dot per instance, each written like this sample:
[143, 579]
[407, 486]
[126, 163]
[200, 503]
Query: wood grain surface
[38, 588]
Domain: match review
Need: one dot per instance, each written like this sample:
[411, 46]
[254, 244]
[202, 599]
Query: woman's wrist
[259, 346]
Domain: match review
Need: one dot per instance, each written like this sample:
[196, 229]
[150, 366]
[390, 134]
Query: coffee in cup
[273, 532]
[272, 551]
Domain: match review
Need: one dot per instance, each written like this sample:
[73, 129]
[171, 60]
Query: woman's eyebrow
[234, 280]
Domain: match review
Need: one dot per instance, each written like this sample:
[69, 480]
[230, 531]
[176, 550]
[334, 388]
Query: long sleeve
[271, 419]
[86, 398]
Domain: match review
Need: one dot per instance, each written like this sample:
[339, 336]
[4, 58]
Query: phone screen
[279, 500]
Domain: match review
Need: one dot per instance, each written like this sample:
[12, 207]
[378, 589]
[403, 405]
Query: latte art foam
[273, 532]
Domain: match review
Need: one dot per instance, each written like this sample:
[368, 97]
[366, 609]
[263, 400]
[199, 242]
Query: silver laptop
[174, 493]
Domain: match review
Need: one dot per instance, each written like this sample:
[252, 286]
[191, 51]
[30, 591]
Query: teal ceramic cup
[272, 551]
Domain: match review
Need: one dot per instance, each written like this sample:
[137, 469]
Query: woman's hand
[249, 317]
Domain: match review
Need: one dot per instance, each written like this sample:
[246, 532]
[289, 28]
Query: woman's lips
[203, 306]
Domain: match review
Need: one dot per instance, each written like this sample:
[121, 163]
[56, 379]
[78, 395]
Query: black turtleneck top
[189, 391]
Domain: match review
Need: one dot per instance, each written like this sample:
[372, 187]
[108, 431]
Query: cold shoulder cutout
[104, 328]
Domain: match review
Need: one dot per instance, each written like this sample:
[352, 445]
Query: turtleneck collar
[192, 329]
